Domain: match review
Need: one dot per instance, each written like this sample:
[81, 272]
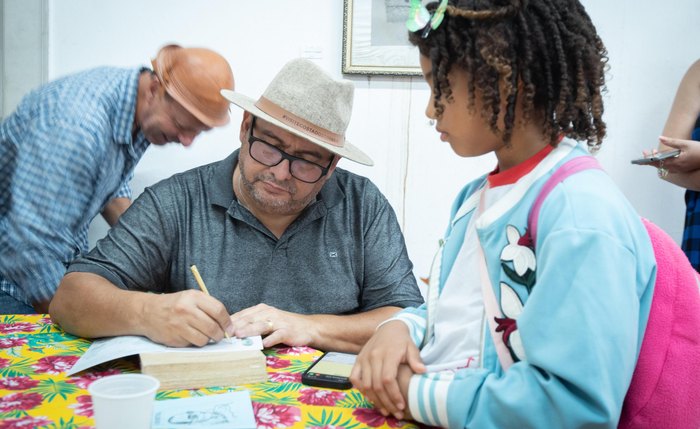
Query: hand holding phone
[332, 370]
[658, 156]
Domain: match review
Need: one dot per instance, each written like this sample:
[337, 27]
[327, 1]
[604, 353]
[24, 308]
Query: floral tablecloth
[36, 393]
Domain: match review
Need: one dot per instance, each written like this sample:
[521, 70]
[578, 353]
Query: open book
[239, 361]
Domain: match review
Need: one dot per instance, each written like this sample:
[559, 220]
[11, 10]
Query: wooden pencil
[204, 289]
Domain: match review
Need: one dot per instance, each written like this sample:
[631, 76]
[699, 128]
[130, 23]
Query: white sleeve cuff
[391, 320]
[427, 397]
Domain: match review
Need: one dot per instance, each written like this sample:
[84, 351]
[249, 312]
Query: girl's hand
[377, 368]
[689, 158]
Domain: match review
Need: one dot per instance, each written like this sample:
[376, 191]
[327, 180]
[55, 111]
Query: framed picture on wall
[375, 38]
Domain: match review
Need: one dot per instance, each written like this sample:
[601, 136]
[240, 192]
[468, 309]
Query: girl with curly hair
[519, 330]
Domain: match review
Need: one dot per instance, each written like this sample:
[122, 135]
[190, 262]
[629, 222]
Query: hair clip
[419, 18]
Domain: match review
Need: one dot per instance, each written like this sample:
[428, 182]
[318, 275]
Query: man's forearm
[89, 306]
[347, 333]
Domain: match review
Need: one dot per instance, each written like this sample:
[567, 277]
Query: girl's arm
[580, 327]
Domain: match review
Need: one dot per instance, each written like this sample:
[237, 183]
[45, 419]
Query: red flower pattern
[295, 351]
[285, 377]
[275, 362]
[83, 407]
[507, 325]
[269, 416]
[7, 343]
[20, 401]
[27, 422]
[84, 381]
[17, 383]
[11, 328]
[373, 418]
[320, 397]
[326, 427]
[526, 240]
[54, 364]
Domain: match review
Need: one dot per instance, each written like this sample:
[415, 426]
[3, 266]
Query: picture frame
[375, 39]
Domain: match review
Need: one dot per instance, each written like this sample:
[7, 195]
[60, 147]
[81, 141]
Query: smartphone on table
[331, 370]
[658, 156]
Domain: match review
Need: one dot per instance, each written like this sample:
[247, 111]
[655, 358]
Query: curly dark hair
[546, 53]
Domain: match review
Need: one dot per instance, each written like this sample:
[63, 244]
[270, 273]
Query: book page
[106, 349]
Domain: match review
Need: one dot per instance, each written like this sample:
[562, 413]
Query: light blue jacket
[581, 307]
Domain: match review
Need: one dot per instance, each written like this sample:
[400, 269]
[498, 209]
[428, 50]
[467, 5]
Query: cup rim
[155, 385]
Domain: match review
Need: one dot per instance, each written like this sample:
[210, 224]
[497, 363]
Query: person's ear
[245, 126]
[331, 169]
[153, 90]
[154, 86]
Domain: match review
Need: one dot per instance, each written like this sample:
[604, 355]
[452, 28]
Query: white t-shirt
[459, 315]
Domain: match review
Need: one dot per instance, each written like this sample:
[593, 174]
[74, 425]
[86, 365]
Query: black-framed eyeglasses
[270, 155]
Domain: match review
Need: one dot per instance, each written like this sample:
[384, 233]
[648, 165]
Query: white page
[228, 410]
[106, 349]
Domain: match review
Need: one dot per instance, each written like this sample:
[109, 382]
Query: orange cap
[194, 77]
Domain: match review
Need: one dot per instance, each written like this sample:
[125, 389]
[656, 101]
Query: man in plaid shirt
[69, 150]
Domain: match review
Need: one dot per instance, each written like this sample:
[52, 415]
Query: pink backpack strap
[490, 302]
[568, 168]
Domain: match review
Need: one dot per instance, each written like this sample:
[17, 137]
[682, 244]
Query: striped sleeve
[416, 320]
[427, 397]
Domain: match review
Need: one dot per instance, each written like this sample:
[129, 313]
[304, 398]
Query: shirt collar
[222, 182]
[125, 108]
[512, 175]
[125, 114]
[332, 193]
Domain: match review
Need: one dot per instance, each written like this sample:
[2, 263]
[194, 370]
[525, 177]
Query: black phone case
[311, 378]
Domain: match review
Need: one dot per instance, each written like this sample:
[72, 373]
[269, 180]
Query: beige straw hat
[306, 101]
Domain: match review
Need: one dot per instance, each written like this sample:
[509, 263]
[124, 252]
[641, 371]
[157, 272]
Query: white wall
[23, 49]
[650, 46]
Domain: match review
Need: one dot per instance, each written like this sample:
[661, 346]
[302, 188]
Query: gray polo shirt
[344, 254]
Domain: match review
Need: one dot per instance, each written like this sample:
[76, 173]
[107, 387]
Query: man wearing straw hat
[69, 150]
[289, 246]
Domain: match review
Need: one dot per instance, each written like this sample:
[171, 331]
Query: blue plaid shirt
[64, 154]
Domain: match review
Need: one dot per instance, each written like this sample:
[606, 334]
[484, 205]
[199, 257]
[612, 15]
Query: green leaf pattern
[59, 393]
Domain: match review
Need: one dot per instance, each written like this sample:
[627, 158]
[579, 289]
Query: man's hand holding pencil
[185, 318]
[190, 317]
[204, 289]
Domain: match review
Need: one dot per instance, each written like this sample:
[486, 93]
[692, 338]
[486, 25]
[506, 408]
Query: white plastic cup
[124, 401]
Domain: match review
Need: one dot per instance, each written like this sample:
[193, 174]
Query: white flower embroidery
[512, 307]
[516, 344]
[510, 302]
[522, 256]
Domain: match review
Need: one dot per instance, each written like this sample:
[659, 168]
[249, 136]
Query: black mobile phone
[331, 370]
[658, 156]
